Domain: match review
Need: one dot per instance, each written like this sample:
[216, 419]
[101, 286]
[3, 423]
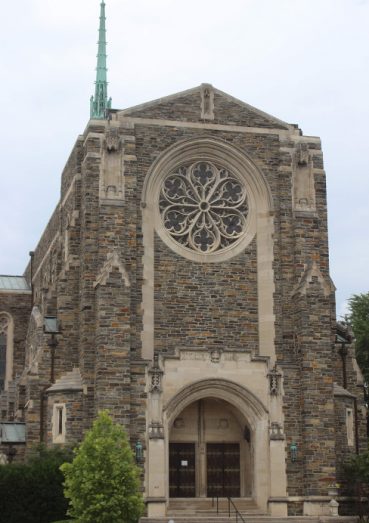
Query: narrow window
[59, 419]
[350, 427]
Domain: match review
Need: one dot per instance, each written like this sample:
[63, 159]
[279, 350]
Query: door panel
[182, 482]
[223, 469]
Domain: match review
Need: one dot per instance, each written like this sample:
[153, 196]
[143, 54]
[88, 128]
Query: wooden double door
[222, 470]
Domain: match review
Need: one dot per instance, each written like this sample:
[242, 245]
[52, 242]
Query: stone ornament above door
[203, 198]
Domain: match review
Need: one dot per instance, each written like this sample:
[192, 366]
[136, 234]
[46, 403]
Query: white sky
[303, 61]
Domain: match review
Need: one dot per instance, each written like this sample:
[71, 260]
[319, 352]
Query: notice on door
[184, 463]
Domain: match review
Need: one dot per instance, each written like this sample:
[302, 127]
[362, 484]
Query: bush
[357, 474]
[33, 492]
[102, 481]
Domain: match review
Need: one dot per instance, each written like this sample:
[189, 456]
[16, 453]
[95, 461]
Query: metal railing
[231, 504]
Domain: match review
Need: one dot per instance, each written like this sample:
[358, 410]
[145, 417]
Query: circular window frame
[223, 155]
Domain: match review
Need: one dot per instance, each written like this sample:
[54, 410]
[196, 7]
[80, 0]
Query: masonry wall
[196, 305]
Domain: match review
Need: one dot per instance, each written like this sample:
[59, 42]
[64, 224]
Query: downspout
[356, 427]
[343, 353]
[32, 255]
[52, 344]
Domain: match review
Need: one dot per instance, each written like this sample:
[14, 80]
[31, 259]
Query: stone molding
[156, 375]
[275, 378]
[208, 149]
[112, 262]
[225, 389]
[312, 271]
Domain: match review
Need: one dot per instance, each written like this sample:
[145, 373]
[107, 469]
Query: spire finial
[100, 103]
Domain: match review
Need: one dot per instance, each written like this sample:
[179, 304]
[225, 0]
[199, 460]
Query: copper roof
[13, 283]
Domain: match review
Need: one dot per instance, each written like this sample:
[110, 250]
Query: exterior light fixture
[138, 451]
[293, 451]
[51, 325]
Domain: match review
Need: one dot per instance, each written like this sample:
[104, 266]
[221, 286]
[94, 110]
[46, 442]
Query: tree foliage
[102, 481]
[358, 318]
[357, 472]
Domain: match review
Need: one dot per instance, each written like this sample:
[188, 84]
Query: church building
[182, 283]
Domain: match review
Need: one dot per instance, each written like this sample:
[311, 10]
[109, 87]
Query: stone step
[251, 519]
[209, 505]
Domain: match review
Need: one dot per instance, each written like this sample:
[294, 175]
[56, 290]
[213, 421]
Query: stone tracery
[203, 207]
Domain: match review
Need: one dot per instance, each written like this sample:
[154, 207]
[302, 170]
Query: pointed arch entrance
[210, 451]
[216, 432]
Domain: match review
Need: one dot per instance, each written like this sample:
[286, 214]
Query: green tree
[102, 481]
[358, 318]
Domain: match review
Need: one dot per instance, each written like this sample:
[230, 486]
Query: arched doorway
[210, 451]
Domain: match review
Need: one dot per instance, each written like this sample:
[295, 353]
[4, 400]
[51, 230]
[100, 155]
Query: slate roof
[12, 432]
[13, 283]
[229, 110]
[71, 381]
[340, 391]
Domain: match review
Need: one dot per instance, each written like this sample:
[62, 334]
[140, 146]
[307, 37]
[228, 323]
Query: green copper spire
[100, 103]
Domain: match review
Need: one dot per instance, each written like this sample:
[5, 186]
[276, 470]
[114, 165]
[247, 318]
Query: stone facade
[160, 327]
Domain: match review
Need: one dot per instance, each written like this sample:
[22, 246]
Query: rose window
[203, 207]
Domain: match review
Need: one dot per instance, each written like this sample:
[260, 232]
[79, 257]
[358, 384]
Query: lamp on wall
[138, 451]
[293, 451]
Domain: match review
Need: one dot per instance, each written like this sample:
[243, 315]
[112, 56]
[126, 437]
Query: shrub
[102, 481]
[33, 492]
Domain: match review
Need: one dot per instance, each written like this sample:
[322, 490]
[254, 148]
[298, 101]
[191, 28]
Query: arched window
[6, 350]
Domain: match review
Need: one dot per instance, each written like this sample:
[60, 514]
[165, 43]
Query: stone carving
[303, 180]
[156, 376]
[207, 102]
[112, 167]
[223, 424]
[302, 155]
[179, 423]
[274, 381]
[276, 431]
[203, 207]
[215, 356]
[4, 323]
[193, 355]
[112, 140]
[156, 430]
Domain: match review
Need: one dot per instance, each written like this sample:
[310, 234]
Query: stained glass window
[204, 207]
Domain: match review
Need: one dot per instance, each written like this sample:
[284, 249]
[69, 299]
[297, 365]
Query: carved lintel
[156, 431]
[274, 381]
[276, 431]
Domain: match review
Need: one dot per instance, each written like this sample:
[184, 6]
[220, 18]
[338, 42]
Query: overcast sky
[303, 61]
